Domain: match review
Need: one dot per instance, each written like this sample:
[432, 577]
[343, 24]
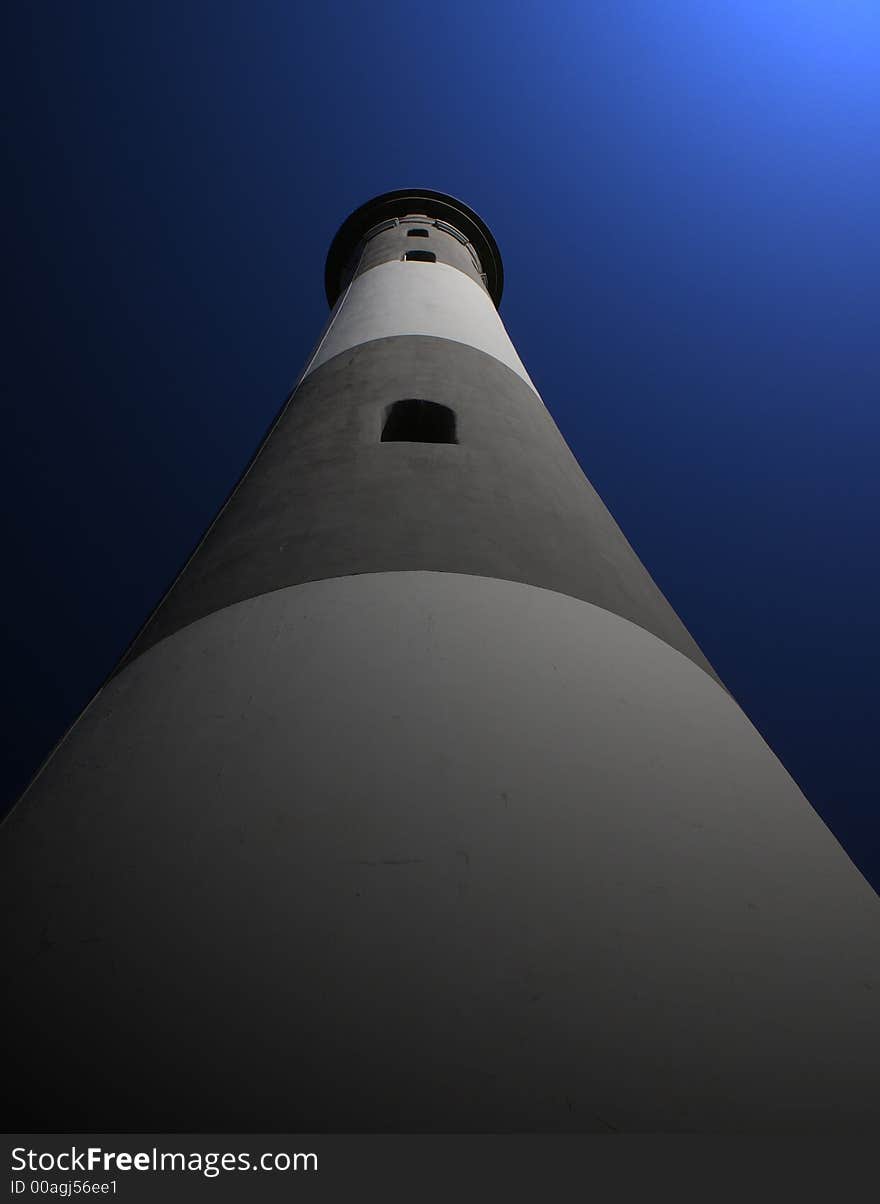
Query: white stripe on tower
[401, 298]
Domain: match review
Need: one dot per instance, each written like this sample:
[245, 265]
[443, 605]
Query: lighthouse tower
[414, 806]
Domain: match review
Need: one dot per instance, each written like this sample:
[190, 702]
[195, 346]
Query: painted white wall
[454, 831]
[401, 298]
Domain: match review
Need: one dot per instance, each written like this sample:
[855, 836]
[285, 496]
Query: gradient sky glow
[686, 195]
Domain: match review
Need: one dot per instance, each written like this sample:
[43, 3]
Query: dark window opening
[417, 233]
[414, 421]
[421, 256]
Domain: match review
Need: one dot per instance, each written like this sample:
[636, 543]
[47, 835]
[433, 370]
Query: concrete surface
[327, 498]
[430, 852]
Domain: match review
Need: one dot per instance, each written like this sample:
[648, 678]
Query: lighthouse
[414, 807]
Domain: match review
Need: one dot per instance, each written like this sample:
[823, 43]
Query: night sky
[686, 194]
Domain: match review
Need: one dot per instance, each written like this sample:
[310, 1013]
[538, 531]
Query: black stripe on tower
[328, 497]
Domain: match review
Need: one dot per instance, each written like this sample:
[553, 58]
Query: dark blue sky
[687, 199]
